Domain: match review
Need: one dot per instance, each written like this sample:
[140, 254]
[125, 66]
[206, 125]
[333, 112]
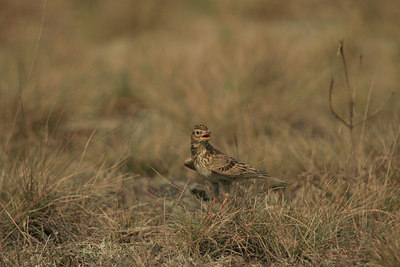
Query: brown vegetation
[97, 102]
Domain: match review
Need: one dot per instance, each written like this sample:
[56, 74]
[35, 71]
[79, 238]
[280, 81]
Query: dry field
[98, 100]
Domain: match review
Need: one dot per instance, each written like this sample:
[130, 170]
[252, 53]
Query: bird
[217, 167]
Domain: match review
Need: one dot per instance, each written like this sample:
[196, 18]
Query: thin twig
[331, 105]
[358, 78]
[340, 51]
[351, 96]
[349, 91]
[370, 116]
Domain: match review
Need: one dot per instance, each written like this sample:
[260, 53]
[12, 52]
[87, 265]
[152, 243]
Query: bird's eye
[197, 132]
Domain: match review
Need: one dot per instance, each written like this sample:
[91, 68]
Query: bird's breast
[202, 168]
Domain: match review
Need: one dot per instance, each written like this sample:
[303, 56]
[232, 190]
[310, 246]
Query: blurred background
[136, 76]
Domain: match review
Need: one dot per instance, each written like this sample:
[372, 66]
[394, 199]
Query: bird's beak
[206, 136]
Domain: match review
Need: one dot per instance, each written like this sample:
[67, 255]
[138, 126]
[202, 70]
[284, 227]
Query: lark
[217, 167]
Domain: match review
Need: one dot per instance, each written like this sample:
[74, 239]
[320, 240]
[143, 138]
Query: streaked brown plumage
[215, 166]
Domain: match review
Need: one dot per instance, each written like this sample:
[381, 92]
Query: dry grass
[96, 107]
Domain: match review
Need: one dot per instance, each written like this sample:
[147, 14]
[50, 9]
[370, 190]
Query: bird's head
[201, 133]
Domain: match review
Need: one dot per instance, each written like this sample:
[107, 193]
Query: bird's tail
[265, 176]
[276, 180]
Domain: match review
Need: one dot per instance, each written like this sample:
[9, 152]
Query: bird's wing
[189, 163]
[225, 166]
[229, 167]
